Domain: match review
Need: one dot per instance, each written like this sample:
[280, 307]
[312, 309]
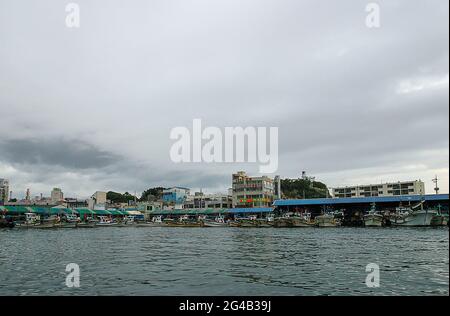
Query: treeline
[152, 194]
[115, 197]
[303, 189]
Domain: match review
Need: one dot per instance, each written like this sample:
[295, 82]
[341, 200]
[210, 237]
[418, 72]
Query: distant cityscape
[245, 192]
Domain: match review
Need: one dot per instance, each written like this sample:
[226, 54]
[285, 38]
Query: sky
[92, 108]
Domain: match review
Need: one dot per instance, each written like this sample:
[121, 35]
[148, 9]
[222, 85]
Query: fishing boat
[46, 225]
[157, 221]
[373, 218]
[326, 220]
[31, 220]
[105, 221]
[184, 221]
[415, 216]
[247, 222]
[282, 221]
[70, 221]
[440, 219]
[265, 222]
[88, 223]
[219, 221]
[294, 220]
[301, 220]
[127, 221]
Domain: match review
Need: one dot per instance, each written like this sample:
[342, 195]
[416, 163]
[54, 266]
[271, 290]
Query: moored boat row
[415, 216]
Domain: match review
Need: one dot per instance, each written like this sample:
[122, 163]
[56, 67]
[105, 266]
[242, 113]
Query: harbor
[284, 214]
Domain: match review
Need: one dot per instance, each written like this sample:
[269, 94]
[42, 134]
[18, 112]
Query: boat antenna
[435, 181]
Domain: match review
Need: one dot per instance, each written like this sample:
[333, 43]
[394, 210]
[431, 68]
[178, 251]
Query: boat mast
[435, 181]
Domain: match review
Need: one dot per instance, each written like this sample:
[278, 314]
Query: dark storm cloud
[69, 154]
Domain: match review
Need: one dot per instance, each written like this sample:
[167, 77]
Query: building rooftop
[362, 200]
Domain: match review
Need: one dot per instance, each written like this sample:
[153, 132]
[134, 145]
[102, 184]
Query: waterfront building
[175, 196]
[385, 189]
[252, 191]
[4, 191]
[97, 200]
[73, 203]
[56, 195]
[208, 201]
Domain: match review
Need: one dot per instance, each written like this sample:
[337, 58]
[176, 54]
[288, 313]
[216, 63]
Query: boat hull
[213, 224]
[325, 222]
[184, 224]
[301, 222]
[281, 223]
[373, 220]
[86, 225]
[151, 224]
[415, 219]
[69, 225]
[106, 224]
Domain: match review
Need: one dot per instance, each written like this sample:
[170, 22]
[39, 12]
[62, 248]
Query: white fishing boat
[219, 221]
[415, 216]
[373, 218]
[105, 221]
[31, 220]
[156, 221]
[70, 221]
[326, 220]
[127, 221]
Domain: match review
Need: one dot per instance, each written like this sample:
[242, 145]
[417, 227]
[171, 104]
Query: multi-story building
[416, 187]
[98, 200]
[4, 191]
[251, 192]
[75, 203]
[57, 195]
[207, 201]
[175, 196]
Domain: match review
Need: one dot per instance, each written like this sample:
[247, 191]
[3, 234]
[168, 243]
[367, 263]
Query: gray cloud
[70, 154]
[352, 104]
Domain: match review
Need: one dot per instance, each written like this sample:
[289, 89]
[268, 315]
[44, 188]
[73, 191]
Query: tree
[303, 189]
[115, 197]
[152, 194]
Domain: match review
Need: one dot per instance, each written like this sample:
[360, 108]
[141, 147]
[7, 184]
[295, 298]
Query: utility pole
[435, 181]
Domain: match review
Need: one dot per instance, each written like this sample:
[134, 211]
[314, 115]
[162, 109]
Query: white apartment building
[416, 187]
[4, 190]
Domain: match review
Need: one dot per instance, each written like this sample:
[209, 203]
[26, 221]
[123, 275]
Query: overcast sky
[91, 108]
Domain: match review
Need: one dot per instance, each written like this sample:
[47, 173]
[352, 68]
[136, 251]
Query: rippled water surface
[224, 261]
